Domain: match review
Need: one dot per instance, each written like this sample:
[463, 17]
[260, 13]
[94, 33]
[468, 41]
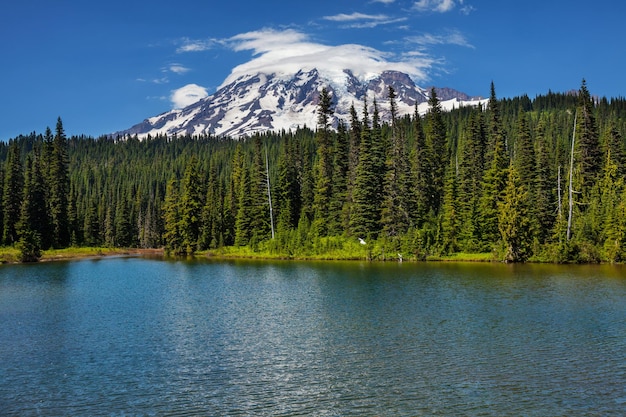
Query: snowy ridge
[261, 102]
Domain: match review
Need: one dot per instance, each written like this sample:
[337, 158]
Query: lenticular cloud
[284, 53]
[187, 95]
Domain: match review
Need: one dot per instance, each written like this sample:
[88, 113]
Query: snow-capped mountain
[272, 102]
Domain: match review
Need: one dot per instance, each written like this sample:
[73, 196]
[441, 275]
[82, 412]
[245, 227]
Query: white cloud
[383, 1]
[451, 38]
[195, 45]
[364, 20]
[440, 6]
[342, 17]
[178, 69]
[286, 52]
[187, 95]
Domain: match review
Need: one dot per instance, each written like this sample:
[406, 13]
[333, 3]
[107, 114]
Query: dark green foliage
[365, 213]
[514, 219]
[172, 219]
[13, 194]
[191, 204]
[59, 187]
[398, 201]
[438, 152]
[413, 185]
[325, 164]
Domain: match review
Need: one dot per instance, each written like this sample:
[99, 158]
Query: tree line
[521, 178]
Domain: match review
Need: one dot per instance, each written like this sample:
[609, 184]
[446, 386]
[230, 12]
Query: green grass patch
[464, 257]
[9, 255]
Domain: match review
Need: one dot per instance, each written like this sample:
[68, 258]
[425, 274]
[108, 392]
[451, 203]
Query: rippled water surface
[133, 336]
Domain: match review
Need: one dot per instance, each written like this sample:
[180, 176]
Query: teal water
[134, 336]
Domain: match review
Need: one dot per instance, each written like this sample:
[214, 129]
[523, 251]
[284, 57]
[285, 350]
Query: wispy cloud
[196, 45]
[176, 69]
[343, 17]
[383, 1]
[361, 20]
[162, 80]
[187, 95]
[453, 37]
[441, 6]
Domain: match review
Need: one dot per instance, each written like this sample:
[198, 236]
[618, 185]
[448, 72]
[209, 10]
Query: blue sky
[104, 66]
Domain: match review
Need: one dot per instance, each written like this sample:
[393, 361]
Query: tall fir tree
[339, 198]
[172, 219]
[471, 170]
[451, 226]
[243, 220]
[59, 187]
[365, 212]
[524, 156]
[495, 177]
[259, 200]
[324, 167]
[288, 196]
[32, 224]
[545, 199]
[439, 155]
[395, 217]
[421, 166]
[13, 194]
[191, 202]
[514, 219]
[588, 153]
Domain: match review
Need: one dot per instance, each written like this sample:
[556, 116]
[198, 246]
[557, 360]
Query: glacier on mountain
[259, 102]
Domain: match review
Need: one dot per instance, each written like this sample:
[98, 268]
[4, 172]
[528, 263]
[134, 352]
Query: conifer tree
[395, 218]
[13, 193]
[172, 219]
[420, 161]
[524, 160]
[33, 212]
[495, 177]
[339, 195]
[91, 226]
[109, 226]
[288, 187]
[471, 170]
[587, 147]
[191, 203]
[243, 219]
[324, 167]
[513, 219]
[613, 142]
[545, 202]
[259, 205]
[365, 213]
[124, 227]
[613, 190]
[59, 187]
[451, 226]
[238, 168]
[436, 142]
[212, 225]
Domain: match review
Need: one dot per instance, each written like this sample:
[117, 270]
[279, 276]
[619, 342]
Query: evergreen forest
[519, 179]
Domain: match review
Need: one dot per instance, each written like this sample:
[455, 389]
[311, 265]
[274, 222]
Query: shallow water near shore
[138, 336]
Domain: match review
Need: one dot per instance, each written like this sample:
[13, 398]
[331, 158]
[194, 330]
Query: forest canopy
[522, 179]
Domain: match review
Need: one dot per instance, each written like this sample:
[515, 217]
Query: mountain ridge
[258, 103]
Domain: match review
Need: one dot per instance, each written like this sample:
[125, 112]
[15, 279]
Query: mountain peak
[257, 102]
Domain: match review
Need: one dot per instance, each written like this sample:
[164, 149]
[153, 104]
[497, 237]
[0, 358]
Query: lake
[138, 336]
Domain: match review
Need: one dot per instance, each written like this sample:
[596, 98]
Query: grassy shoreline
[11, 255]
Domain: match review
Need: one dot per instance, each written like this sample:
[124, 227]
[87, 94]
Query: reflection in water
[137, 336]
